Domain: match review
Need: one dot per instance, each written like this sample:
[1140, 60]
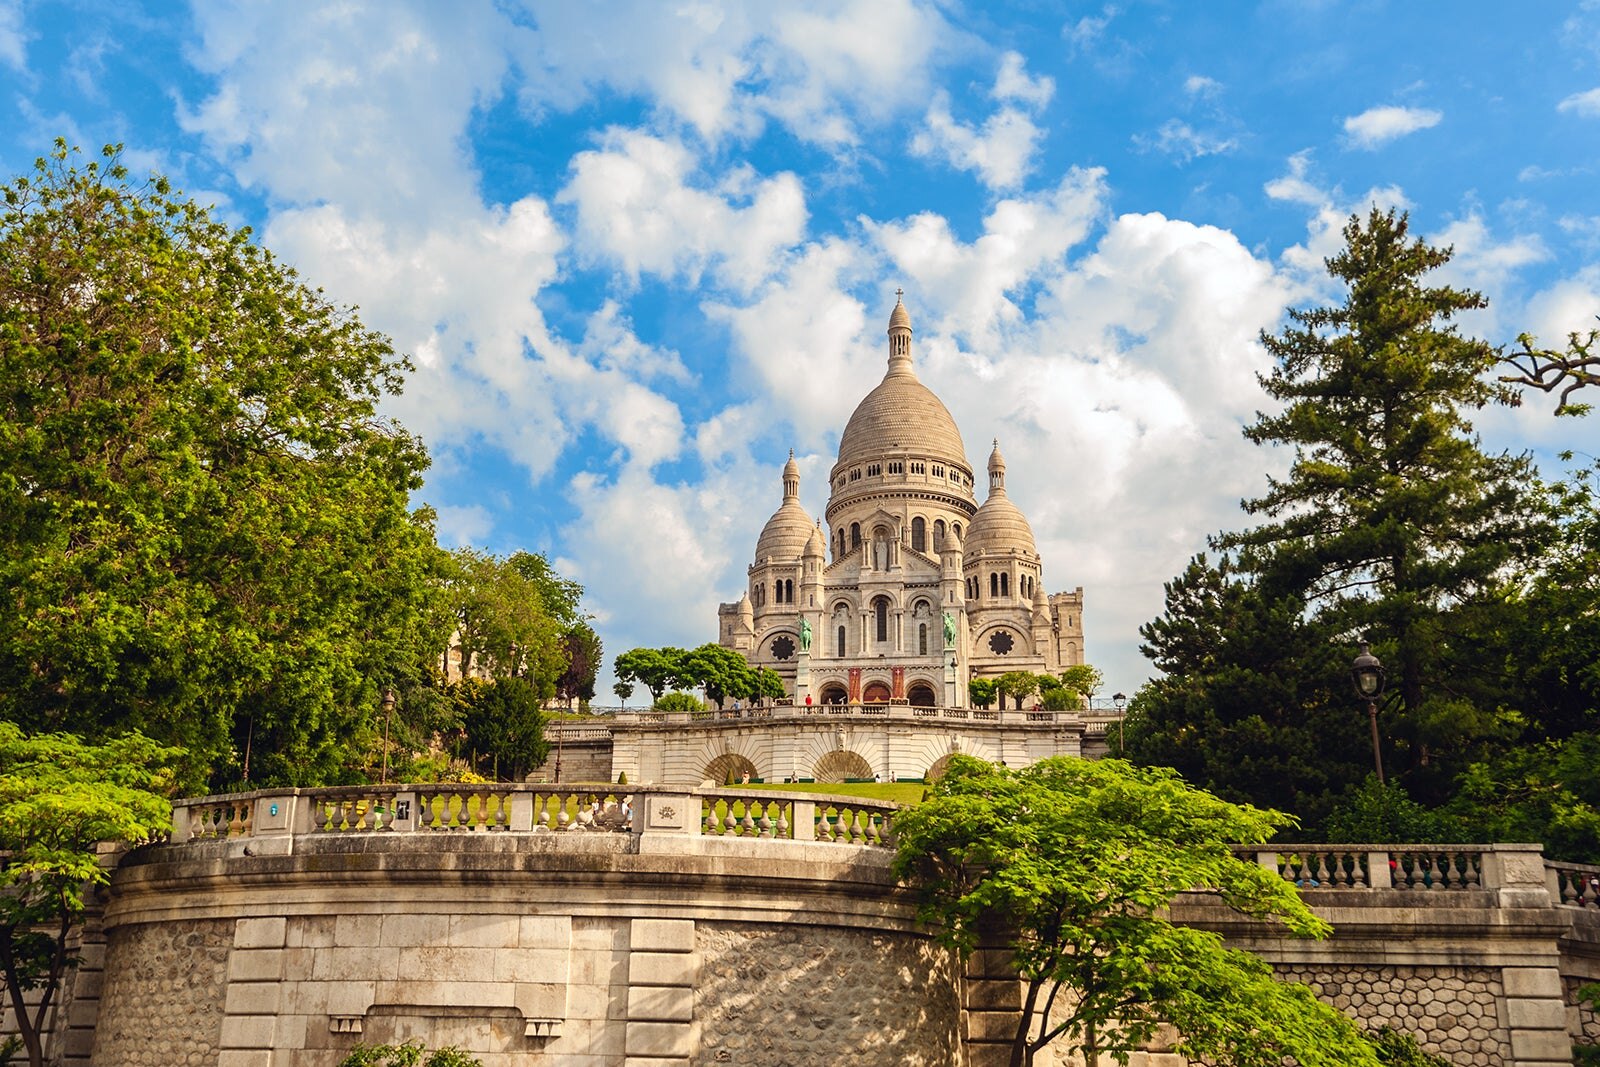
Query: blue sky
[640, 250]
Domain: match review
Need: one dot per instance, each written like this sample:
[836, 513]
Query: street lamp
[1120, 700]
[1367, 675]
[388, 713]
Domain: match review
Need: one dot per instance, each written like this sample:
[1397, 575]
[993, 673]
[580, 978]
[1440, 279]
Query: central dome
[901, 414]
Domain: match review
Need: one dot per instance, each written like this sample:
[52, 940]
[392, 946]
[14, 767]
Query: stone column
[663, 970]
[255, 974]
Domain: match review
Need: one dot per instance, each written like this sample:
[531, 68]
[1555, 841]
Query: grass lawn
[908, 793]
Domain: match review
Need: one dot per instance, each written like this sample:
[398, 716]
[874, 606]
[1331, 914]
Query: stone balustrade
[1094, 720]
[279, 816]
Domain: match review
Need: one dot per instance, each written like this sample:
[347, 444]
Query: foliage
[624, 690]
[1017, 685]
[981, 691]
[1060, 698]
[205, 529]
[60, 799]
[679, 702]
[1548, 370]
[501, 625]
[503, 727]
[1079, 860]
[410, 1054]
[1388, 813]
[581, 647]
[1083, 679]
[1396, 1048]
[723, 673]
[658, 669]
[1546, 792]
[561, 598]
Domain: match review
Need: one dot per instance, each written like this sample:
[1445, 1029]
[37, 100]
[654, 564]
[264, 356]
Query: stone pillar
[1536, 1015]
[991, 998]
[255, 974]
[663, 970]
[802, 672]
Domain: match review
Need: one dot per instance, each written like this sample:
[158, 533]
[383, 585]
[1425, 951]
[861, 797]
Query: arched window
[841, 642]
[880, 607]
[938, 535]
[919, 534]
[922, 639]
[788, 590]
[855, 535]
[1005, 584]
[955, 528]
[994, 584]
[838, 543]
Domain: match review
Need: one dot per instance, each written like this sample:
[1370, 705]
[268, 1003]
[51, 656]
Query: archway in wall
[937, 770]
[839, 765]
[834, 693]
[875, 693]
[730, 767]
[920, 695]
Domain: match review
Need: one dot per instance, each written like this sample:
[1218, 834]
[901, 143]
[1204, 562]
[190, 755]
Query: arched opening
[919, 534]
[1005, 584]
[840, 766]
[840, 653]
[936, 771]
[875, 693]
[855, 536]
[838, 543]
[880, 611]
[955, 527]
[922, 639]
[994, 584]
[920, 695]
[938, 535]
[834, 693]
[730, 768]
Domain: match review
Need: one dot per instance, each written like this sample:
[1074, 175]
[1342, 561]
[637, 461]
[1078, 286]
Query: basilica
[906, 588]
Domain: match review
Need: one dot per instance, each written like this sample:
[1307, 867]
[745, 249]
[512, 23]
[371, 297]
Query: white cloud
[1379, 125]
[1568, 306]
[1295, 187]
[636, 207]
[1088, 30]
[460, 526]
[1201, 86]
[822, 71]
[1584, 105]
[1179, 139]
[13, 35]
[1002, 151]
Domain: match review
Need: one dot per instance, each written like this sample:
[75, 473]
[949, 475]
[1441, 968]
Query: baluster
[708, 811]
[783, 820]
[847, 826]
[1472, 877]
[766, 820]
[563, 816]
[747, 825]
[730, 825]
[232, 813]
[1358, 872]
[542, 816]
[824, 831]
[320, 813]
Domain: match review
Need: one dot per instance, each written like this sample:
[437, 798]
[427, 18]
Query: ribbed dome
[786, 534]
[901, 414]
[999, 524]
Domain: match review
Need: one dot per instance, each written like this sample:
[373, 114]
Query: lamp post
[1120, 700]
[388, 713]
[1367, 675]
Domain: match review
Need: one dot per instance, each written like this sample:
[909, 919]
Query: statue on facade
[805, 634]
[949, 630]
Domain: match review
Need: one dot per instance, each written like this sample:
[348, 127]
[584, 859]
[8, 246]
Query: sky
[640, 250]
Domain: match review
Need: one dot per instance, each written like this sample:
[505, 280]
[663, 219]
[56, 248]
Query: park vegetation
[1474, 580]
[722, 673]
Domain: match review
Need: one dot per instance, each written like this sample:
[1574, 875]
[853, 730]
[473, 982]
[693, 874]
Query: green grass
[908, 793]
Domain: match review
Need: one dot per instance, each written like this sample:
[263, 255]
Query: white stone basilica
[912, 588]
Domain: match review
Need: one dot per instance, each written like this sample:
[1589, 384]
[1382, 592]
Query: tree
[768, 685]
[503, 726]
[981, 691]
[624, 690]
[560, 597]
[1548, 370]
[581, 647]
[409, 1054]
[60, 799]
[680, 702]
[1083, 680]
[1017, 685]
[1080, 860]
[501, 625]
[205, 528]
[659, 669]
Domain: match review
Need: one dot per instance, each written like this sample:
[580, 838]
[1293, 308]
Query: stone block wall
[165, 981]
[1451, 1011]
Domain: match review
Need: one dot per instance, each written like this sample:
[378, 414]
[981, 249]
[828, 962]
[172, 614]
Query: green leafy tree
[1018, 685]
[1079, 860]
[60, 800]
[723, 673]
[624, 690]
[1391, 515]
[1548, 370]
[1083, 680]
[657, 669]
[205, 528]
[680, 703]
[768, 685]
[560, 597]
[503, 727]
[981, 691]
[501, 625]
[409, 1054]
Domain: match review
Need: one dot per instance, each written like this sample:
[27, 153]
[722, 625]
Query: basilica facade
[905, 588]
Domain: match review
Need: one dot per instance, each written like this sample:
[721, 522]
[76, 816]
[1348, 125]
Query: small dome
[786, 534]
[899, 316]
[818, 545]
[999, 525]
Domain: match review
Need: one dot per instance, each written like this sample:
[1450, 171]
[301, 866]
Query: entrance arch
[875, 693]
[936, 772]
[730, 767]
[834, 693]
[839, 765]
[921, 695]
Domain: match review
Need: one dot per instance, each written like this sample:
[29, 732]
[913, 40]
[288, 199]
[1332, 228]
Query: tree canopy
[1077, 862]
[60, 799]
[205, 528]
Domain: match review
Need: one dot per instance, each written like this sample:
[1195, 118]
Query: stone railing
[533, 808]
[1577, 884]
[1517, 872]
[898, 712]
